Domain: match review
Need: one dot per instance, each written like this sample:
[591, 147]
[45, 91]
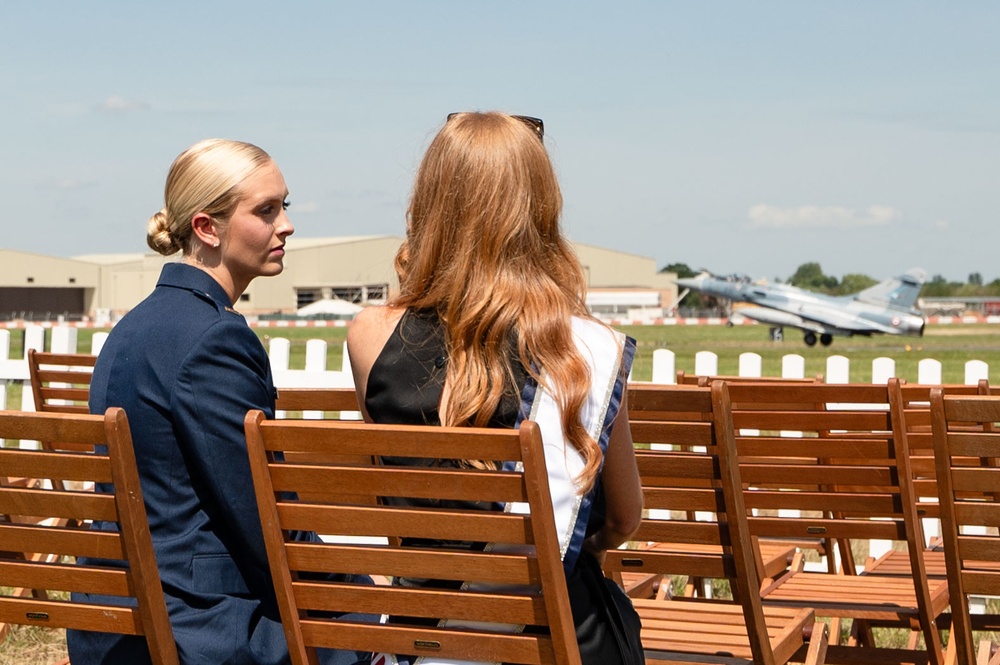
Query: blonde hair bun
[158, 235]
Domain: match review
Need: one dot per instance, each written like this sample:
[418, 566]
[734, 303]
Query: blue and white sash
[609, 356]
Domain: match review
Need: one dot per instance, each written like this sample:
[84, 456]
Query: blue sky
[736, 136]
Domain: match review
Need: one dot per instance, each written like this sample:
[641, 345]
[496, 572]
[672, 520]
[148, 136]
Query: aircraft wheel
[826, 339]
[810, 339]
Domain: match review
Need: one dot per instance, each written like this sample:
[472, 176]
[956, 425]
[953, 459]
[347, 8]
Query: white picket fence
[706, 363]
[316, 373]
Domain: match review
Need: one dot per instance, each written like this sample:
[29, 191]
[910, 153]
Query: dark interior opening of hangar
[41, 303]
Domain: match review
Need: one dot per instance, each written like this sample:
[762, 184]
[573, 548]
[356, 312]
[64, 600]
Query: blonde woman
[186, 368]
[490, 327]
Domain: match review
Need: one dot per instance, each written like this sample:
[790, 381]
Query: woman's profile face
[253, 241]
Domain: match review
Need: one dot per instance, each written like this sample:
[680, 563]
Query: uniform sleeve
[223, 377]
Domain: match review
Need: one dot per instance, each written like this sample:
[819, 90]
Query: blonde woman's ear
[203, 227]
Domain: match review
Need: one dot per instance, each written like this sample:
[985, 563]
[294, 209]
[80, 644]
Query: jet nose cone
[689, 282]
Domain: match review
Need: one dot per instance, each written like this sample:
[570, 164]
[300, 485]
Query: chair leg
[951, 651]
[818, 643]
[835, 631]
[861, 634]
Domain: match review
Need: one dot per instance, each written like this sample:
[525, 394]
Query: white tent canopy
[331, 306]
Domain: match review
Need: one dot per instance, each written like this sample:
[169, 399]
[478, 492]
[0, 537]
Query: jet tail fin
[898, 293]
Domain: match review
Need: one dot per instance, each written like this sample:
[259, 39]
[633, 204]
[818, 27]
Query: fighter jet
[886, 308]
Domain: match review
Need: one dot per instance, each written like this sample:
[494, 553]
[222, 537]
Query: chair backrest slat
[414, 518]
[60, 382]
[316, 399]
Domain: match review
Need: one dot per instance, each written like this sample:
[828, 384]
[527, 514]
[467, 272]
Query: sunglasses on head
[536, 124]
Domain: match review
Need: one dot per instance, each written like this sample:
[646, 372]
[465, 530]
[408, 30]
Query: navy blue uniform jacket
[186, 368]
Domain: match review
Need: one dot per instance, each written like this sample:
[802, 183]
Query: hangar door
[41, 303]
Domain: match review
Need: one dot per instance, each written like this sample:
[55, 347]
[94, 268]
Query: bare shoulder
[368, 333]
[372, 324]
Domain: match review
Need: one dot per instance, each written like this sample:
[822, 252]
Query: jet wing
[842, 326]
[776, 317]
[831, 323]
[842, 320]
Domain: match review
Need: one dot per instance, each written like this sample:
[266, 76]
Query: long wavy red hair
[484, 249]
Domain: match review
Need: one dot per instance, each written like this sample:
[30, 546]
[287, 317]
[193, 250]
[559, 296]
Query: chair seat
[897, 562]
[856, 596]
[776, 556]
[688, 626]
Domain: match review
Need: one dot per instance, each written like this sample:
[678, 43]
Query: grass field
[953, 345]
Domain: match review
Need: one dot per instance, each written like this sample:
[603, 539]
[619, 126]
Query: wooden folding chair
[832, 461]
[699, 532]
[967, 453]
[514, 576]
[41, 521]
[659, 420]
[60, 382]
[917, 416]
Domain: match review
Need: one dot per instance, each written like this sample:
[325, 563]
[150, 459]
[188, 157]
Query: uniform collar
[185, 276]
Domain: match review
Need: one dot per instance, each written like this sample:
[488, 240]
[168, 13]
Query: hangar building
[358, 269]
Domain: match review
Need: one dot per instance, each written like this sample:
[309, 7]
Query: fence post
[63, 339]
[976, 370]
[278, 351]
[97, 342]
[34, 338]
[883, 369]
[4, 357]
[345, 364]
[706, 363]
[315, 362]
[838, 369]
[750, 365]
[664, 366]
[929, 371]
[793, 366]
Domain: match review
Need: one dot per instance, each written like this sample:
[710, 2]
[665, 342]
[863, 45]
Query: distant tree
[682, 269]
[939, 287]
[692, 300]
[976, 279]
[854, 282]
[810, 276]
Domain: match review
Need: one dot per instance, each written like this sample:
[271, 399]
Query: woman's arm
[225, 375]
[622, 489]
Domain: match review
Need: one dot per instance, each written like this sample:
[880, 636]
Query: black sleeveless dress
[405, 386]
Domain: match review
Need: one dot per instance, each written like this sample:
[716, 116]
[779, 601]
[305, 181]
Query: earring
[215, 244]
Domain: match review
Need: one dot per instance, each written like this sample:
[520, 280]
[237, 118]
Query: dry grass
[30, 645]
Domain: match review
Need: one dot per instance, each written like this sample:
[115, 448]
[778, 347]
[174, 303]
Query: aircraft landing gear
[826, 339]
[810, 339]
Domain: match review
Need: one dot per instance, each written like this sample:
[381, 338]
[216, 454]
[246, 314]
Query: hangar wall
[357, 268]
